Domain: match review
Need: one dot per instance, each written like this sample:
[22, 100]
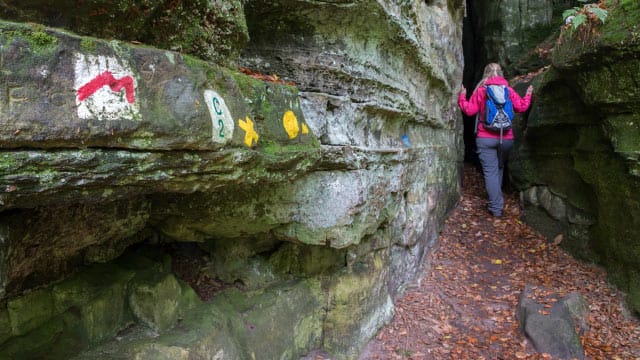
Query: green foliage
[41, 38]
[581, 14]
[38, 39]
[623, 24]
[88, 45]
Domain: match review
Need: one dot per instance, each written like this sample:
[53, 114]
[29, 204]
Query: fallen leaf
[558, 239]
[463, 307]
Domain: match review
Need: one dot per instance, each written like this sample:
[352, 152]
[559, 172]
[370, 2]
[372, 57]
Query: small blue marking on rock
[405, 141]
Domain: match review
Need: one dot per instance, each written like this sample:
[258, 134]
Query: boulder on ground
[552, 330]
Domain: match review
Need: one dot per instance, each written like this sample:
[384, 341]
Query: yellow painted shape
[250, 136]
[305, 129]
[290, 123]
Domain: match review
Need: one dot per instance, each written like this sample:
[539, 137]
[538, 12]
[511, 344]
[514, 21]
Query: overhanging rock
[71, 105]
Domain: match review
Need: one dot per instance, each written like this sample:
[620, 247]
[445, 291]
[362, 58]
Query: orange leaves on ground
[270, 78]
[464, 307]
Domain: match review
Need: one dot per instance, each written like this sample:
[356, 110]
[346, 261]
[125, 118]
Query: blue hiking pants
[492, 157]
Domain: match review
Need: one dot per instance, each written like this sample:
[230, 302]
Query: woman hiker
[492, 147]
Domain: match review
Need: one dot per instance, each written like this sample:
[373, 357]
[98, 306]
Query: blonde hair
[491, 70]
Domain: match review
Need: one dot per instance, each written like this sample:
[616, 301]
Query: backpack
[498, 112]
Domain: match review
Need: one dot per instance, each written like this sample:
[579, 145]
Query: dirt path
[464, 306]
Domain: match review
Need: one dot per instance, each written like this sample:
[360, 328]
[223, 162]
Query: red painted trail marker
[107, 79]
[99, 84]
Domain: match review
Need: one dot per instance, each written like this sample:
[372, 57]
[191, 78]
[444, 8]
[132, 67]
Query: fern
[578, 15]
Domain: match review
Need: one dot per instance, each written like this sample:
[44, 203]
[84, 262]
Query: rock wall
[577, 161]
[315, 196]
[506, 32]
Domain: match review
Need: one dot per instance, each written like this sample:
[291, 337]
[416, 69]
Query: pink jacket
[476, 104]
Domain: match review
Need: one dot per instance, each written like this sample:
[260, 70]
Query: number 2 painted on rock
[221, 131]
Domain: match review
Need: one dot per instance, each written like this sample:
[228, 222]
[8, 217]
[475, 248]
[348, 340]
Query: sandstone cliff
[315, 196]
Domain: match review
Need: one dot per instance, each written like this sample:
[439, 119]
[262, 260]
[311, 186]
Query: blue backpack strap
[508, 106]
[490, 107]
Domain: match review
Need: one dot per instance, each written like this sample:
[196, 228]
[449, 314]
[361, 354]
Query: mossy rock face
[82, 287]
[30, 311]
[582, 136]
[334, 208]
[618, 240]
[5, 324]
[624, 131]
[103, 316]
[93, 306]
[155, 301]
[307, 260]
[633, 281]
[210, 30]
[593, 44]
[279, 322]
[357, 293]
[556, 126]
[159, 351]
[37, 344]
[203, 335]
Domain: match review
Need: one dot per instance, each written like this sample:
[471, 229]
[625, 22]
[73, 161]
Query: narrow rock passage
[464, 306]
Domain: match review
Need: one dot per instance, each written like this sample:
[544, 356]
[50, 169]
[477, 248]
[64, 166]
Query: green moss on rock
[83, 287]
[279, 322]
[622, 26]
[357, 293]
[103, 316]
[155, 300]
[624, 132]
[5, 324]
[618, 237]
[88, 45]
[307, 260]
[30, 311]
[633, 298]
[36, 344]
[210, 30]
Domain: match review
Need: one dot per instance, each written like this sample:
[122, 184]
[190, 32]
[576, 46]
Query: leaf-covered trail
[464, 305]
